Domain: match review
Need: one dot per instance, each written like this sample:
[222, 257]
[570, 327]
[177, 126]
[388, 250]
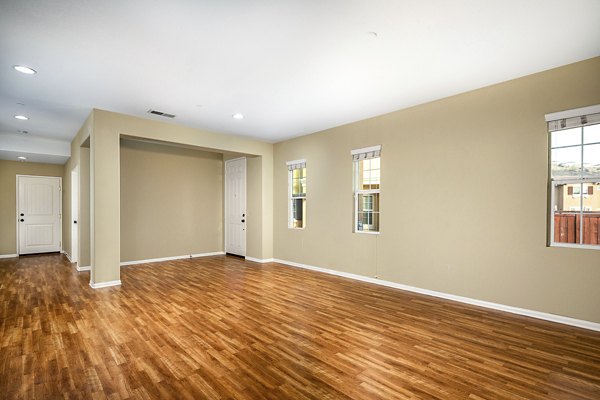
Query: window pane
[567, 219]
[368, 202]
[375, 179]
[591, 213]
[297, 210]
[375, 163]
[368, 212]
[591, 134]
[566, 163]
[296, 187]
[298, 213]
[366, 179]
[365, 203]
[299, 173]
[591, 160]
[363, 221]
[375, 222]
[299, 182]
[368, 222]
[568, 137]
[367, 174]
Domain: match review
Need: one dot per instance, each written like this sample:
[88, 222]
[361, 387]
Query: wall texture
[464, 194]
[171, 201]
[8, 197]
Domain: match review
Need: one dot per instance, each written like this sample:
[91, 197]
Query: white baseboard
[8, 255]
[215, 253]
[104, 284]
[86, 268]
[594, 326]
[152, 260]
[67, 255]
[259, 260]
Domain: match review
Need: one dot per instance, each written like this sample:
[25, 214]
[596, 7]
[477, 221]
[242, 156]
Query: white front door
[39, 214]
[235, 206]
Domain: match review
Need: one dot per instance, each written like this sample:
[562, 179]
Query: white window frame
[559, 182]
[290, 197]
[562, 119]
[357, 192]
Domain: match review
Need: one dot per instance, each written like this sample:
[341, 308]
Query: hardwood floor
[224, 328]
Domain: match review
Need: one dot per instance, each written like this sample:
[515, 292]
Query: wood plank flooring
[225, 328]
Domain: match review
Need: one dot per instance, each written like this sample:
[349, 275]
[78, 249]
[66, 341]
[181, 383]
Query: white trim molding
[101, 285]
[594, 326]
[153, 260]
[259, 260]
[67, 255]
[86, 268]
[366, 150]
[294, 162]
[595, 109]
[215, 253]
[9, 255]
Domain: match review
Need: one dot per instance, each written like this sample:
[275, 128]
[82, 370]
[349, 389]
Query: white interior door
[39, 214]
[235, 206]
[74, 214]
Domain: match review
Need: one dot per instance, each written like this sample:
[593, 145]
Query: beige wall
[107, 130]
[84, 207]
[254, 205]
[8, 197]
[171, 201]
[80, 157]
[486, 154]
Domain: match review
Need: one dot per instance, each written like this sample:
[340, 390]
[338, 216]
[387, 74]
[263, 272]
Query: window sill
[296, 229]
[576, 246]
[367, 233]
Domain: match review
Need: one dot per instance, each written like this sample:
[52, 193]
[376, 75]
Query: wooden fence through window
[567, 227]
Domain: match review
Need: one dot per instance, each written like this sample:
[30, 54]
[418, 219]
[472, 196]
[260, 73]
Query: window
[575, 177]
[367, 182]
[297, 194]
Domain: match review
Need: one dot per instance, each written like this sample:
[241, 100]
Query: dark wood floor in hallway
[224, 328]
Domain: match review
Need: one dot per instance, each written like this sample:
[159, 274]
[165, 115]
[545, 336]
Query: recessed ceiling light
[24, 69]
[372, 34]
[22, 158]
[21, 117]
[238, 116]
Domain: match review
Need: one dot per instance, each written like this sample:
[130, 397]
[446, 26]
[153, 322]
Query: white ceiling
[291, 67]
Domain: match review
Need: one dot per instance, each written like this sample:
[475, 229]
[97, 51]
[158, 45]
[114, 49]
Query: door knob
[22, 220]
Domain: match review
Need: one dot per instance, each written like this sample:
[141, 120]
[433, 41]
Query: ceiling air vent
[162, 114]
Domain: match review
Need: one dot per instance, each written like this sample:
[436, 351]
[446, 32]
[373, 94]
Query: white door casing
[235, 206]
[75, 214]
[39, 210]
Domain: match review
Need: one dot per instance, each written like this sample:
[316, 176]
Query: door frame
[60, 208]
[225, 197]
[75, 215]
